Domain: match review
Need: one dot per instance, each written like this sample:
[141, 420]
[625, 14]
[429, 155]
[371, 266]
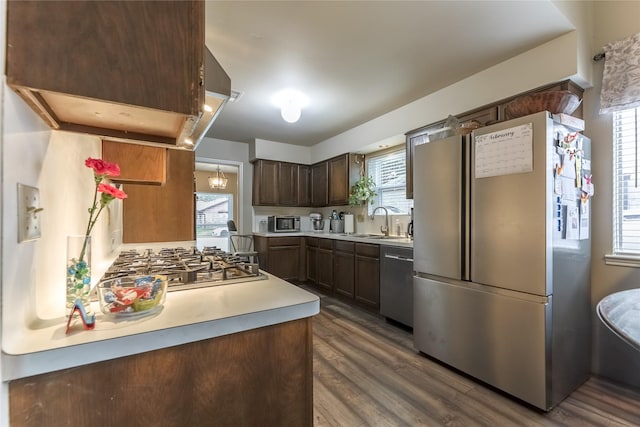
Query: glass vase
[78, 271]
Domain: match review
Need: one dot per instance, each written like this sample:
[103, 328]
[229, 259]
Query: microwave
[283, 224]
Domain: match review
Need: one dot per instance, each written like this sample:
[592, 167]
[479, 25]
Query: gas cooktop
[185, 268]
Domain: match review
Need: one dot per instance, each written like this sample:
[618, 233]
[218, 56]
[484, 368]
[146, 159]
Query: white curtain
[621, 77]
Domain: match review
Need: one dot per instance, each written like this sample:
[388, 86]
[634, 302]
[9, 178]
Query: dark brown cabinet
[324, 264]
[265, 182]
[320, 184]
[280, 184]
[367, 275]
[304, 185]
[93, 67]
[287, 184]
[312, 259]
[281, 256]
[343, 268]
[344, 171]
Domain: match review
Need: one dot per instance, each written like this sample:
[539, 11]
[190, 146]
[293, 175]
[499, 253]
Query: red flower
[100, 167]
[110, 192]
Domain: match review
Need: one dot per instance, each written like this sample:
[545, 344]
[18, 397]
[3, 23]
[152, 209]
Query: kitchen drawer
[368, 250]
[342, 246]
[284, 241]
[325, 243]
[312, 242]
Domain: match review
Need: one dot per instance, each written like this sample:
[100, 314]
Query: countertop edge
[217, 311]
[393, 241]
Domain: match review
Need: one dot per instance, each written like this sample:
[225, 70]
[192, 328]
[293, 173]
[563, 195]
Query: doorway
[216, 202]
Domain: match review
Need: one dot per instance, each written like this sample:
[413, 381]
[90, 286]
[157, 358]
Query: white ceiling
[357, 60]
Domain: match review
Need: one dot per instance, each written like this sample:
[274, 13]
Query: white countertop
[354, 237]
[187, 316]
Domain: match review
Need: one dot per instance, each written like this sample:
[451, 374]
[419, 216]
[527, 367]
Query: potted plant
[362, 192]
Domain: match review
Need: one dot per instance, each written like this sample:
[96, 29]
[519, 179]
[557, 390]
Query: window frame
[621, 197]
[401, 151]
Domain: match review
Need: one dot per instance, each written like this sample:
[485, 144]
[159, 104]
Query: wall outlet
[29, 212]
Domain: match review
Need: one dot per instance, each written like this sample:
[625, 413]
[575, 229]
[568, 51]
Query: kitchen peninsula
[233, 354]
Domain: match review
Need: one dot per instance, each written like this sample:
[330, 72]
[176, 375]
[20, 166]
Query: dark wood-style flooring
[367, 373]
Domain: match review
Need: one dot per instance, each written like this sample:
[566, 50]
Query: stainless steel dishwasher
[396, 283]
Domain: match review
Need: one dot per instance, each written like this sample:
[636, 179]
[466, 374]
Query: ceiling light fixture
[219, 181]
[291, 102]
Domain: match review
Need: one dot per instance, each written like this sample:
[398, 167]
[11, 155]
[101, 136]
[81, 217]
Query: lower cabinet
[281, 256]
[324, 264]
[343, 268]
[367, 275]
[262, 376]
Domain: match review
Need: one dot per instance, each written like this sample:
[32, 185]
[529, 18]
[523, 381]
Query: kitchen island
[235, 354]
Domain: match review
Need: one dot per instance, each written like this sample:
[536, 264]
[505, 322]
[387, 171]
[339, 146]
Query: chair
[241, 244]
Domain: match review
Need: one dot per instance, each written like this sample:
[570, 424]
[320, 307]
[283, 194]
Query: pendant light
[219, 181]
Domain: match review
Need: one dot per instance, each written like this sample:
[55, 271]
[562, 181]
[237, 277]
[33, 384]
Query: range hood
[134, 85]
[217, 90]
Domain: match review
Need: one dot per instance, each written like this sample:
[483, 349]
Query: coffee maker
[317, 223]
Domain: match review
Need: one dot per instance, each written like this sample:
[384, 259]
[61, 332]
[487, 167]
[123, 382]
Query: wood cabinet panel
[304, 185]
[284, 261]
[162, 213]
[287, 184]
[265, 183]
[120, 76]
[343, 269]
[367, 275]
[259, 377]
[325, 265]
[281, 256]
[139, 164]
[320, 184]
[312, 262]
[339, 180]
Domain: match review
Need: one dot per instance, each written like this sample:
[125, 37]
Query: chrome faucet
[383, 228]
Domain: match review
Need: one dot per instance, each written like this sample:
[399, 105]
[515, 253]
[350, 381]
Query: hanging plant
[363, 191]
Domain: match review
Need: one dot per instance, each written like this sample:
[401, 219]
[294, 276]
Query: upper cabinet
[344, 171]
[131, 71]
[289, 184]
[484, 115]
[139, 164]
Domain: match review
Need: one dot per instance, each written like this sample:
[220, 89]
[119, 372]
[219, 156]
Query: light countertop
[354, 237]
[187, 316]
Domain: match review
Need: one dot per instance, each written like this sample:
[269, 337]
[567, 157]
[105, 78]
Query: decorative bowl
[554, 101]
[132, 297]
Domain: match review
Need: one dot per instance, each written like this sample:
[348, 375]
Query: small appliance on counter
[336, 222]
[316, 221]
[349, 224]
[283, 224]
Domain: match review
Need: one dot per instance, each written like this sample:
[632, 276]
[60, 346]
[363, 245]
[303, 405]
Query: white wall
[272, 150]
[544, 64]
[613, 20]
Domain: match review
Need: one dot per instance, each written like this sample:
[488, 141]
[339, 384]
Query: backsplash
[363, 223]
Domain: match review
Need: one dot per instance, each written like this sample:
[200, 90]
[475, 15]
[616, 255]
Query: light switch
[29, 212]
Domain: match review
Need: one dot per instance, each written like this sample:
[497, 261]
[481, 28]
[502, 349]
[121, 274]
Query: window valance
[621, 76]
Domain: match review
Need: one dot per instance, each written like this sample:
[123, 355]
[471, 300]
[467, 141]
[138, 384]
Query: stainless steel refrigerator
[502, 256]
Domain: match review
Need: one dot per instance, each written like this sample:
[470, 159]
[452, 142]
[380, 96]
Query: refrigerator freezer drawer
[496, 338]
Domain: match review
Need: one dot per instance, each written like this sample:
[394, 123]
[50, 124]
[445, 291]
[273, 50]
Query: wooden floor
[366, 373]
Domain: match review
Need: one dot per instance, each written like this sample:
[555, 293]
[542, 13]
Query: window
[626, 207]
[388, 170]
